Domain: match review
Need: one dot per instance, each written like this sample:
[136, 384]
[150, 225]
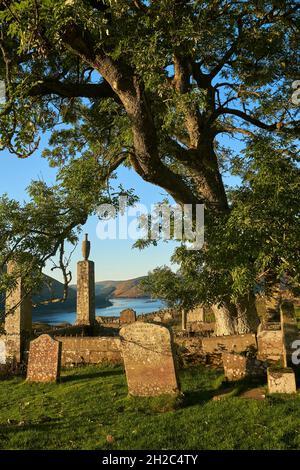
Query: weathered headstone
[85, 287]
[128, 315]
[238, 366]
[235, 366]
[18, 318]
[147, 350]
[44, 359]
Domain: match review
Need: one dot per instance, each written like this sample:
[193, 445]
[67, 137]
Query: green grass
[91, 403]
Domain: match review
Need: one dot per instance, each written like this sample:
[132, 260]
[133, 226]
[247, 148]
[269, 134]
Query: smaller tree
[177, 290]
[37, 231]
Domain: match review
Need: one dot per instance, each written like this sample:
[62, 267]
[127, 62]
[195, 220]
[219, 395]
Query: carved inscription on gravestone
[148, 356]
[44, 359]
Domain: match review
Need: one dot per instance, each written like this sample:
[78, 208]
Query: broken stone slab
[148, 354]
[281, 380]
[238, 366]
[235, 366]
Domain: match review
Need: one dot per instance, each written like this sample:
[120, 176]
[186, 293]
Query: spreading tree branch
[72, 90]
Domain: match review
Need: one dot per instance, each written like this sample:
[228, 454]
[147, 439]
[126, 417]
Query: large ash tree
[156, 85]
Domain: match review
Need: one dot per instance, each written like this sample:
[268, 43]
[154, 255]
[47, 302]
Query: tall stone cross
[85, 287]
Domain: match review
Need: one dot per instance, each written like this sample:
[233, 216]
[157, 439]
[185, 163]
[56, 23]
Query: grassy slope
[91, 403]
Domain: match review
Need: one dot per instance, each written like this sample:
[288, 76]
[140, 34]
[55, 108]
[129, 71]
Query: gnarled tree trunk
[197, 155]
[239, 318]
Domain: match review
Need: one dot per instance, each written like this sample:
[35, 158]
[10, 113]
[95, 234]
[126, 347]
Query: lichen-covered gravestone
[127, 316]
[147, 351]
[44, 360]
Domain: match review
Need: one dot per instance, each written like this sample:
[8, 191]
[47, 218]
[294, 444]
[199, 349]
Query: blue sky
[114, 259]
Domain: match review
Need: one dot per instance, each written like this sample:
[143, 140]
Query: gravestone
[128, 316]
[44, 359]
[147, 351]
[235, 366]
[238, 366]
[85, 311]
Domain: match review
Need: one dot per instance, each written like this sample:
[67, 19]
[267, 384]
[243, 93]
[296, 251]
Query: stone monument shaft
[18, 318]
[85, 287]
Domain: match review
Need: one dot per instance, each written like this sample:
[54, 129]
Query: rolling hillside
[104, 291]
[121, 289]
[54, 289]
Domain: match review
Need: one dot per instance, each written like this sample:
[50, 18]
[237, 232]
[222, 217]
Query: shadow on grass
[197, 396]
[40, 426]
[92, 375]
[233, 389]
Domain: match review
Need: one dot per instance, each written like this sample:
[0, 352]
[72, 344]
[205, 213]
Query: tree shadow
[44, 427]
[233, 389]
[194, 397]
[92, 375]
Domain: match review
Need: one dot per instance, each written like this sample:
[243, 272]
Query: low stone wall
[214, 346]
[90, 350]
[203, 328]
[189, 350]
[163, 315]
[108, 320]
[73, 330]
[195, 315]
[232, 343]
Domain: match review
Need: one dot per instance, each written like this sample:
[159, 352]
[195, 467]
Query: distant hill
[121, 289]
[54, 289]
[104, 290]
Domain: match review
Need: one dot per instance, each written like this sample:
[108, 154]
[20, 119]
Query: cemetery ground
[90, 409]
